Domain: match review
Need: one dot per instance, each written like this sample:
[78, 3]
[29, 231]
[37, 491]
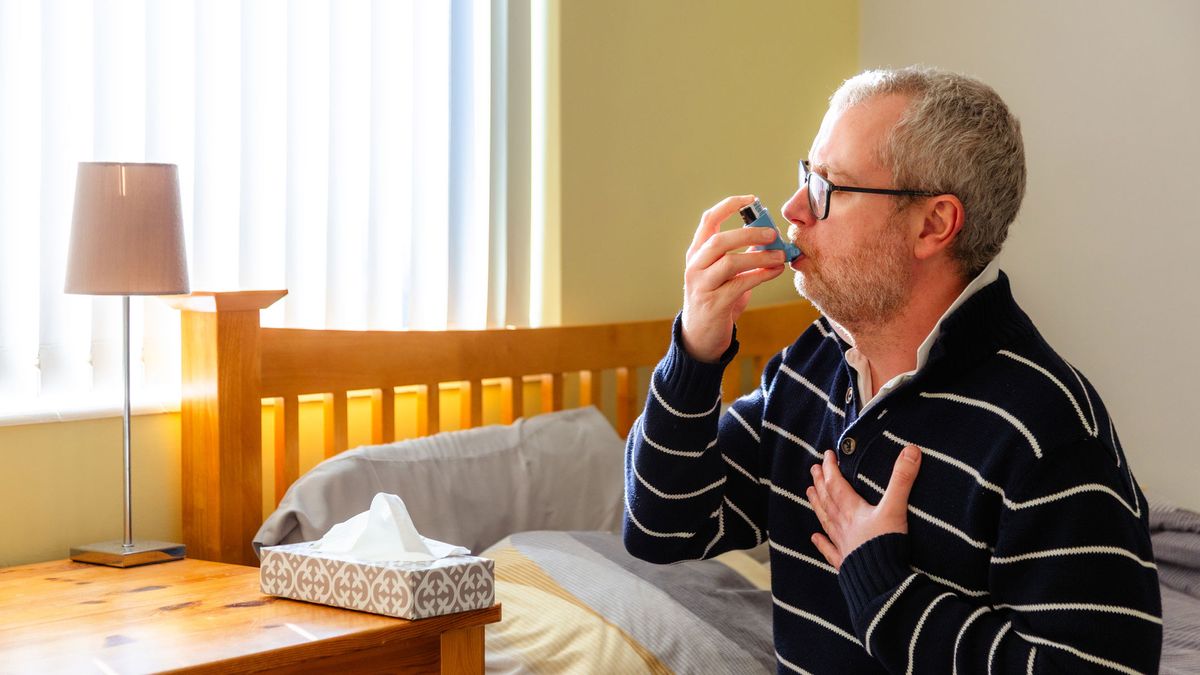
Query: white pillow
[558, 471]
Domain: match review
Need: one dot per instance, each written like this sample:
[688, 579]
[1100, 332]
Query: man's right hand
[717, 279]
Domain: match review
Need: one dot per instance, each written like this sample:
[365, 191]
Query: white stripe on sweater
[959, 464]
[970, 619]
[815, 619]
[813, 388]
[995, 644]
[720, 532]
[1112, 434]
[950, 584]
[1084, 607]
[668, 408]
[822, 331]
[983, 482]
[932, 519]
[681, 453]
[676, 495]
[737, 416]
[741, 470]
[1071, 492]
[1086, 395]
[1032, 656]
[912, 643]
[652, 533]
[1077, 550]
[800, 556]
[792, 437]
[784, 493]
[790, 665]
[1089, 427]
[1091, 658]
[757, 532]
[883, 610]
[1004, 414]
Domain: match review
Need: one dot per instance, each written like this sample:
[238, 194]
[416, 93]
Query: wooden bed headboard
[232, 367]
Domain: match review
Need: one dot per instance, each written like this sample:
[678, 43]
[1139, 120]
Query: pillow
[559, 470]
[577, 602]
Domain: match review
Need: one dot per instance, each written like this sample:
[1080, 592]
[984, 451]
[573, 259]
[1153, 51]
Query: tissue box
[409, 590]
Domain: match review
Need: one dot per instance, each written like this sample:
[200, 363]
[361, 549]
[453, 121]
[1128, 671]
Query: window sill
[42, 411]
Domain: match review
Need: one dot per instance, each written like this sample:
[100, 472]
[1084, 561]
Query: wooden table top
[63, 616]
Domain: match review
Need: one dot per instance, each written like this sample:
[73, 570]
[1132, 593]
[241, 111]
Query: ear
[941, 223]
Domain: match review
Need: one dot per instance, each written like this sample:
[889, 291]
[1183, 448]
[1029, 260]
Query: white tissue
[385, 532]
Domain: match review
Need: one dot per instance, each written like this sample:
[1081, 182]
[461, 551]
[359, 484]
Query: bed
[530, 476]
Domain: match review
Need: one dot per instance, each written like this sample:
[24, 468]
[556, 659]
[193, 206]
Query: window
[373, 157]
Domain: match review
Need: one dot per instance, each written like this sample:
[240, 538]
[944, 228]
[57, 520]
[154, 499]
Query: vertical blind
[377, 158]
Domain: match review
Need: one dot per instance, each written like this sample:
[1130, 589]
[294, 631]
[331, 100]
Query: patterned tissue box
[409, 590]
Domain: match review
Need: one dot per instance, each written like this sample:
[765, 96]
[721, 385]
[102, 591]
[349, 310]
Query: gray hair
[957, 137]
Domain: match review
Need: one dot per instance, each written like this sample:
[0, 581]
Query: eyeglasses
[819, 190]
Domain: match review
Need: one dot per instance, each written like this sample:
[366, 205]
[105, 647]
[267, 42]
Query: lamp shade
[127, 231]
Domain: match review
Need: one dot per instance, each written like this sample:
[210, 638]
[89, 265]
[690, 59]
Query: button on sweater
[1028, 548]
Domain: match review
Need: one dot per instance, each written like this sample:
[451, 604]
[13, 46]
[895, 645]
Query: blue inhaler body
[756, 215]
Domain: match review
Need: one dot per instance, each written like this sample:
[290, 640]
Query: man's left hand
[849, 520]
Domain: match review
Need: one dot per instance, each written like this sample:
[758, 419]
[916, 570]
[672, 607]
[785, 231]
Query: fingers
[743, 281]
[904, 474]
[717, 246]
[710, 220]
[731, 264]
[822, 503]
[827, 549]
[835, 484]
[818, 506]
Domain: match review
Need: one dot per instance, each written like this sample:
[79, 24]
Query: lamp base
[115, 554]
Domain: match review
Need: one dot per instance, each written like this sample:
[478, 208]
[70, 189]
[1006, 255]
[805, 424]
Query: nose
[796, 210]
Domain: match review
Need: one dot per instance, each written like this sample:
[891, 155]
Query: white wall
[1104, 253]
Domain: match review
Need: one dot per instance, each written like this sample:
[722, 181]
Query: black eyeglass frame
[831, 188]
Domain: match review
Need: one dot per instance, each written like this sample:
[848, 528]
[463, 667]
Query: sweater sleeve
[1072, 584]
[692, 487]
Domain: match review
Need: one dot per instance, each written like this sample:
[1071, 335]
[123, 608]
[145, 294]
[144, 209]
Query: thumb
[904, 474]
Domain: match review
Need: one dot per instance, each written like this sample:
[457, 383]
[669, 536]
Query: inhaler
[756, 215]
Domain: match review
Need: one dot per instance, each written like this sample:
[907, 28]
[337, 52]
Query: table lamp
[127, 239]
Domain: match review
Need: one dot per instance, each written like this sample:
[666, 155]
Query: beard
[869, 286]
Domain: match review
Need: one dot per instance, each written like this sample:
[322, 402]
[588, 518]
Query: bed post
[222, 425]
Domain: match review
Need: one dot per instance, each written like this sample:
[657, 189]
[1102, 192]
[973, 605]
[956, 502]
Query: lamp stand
[128, 552]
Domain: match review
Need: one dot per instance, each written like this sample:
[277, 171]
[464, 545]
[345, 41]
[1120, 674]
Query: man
[940, 491]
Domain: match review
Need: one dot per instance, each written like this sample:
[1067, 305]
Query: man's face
[857, 263]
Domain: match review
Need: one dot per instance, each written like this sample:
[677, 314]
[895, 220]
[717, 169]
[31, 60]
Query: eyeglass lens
[818, 191]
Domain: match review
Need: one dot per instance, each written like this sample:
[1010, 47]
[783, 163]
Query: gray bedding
[1175, 534]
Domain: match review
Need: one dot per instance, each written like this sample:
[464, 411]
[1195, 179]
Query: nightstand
[198, 616]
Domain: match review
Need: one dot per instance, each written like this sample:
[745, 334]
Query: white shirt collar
[862, 367]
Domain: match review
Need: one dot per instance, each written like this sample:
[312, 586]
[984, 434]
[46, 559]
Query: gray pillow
[558, 471]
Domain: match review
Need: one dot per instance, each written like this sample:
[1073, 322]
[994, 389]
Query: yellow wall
[666, 106]
[62, 485]
[669, 106]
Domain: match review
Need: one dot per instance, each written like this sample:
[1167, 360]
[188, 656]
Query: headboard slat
[429, 414]
[336, 423]
[589, 389]
[287, 444]
[625, 400]
[383, 415]
[516, 399]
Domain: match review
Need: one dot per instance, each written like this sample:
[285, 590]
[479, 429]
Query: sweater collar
[986, 322]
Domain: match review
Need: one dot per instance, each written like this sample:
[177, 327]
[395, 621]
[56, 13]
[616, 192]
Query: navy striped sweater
[1028, 548]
